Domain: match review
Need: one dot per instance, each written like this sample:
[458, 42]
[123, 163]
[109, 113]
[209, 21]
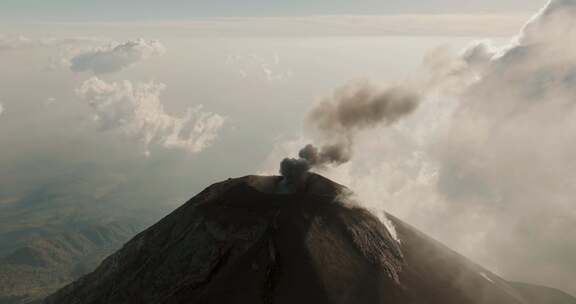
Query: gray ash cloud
[337, 120]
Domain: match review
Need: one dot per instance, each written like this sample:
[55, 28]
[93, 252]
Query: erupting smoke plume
[338, 119]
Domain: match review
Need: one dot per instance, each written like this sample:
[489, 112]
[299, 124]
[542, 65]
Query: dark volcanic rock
[239, 242]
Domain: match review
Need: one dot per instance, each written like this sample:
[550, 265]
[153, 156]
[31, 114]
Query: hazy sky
[130, 10]
[146, 114]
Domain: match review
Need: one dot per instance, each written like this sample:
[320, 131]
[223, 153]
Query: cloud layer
[116, 57]
[19, 42]
[136, 110]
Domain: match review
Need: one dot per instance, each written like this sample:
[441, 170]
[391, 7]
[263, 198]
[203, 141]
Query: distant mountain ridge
[43, 264]
[50, 237]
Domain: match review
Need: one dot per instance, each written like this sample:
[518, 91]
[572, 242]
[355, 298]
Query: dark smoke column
[339, 118]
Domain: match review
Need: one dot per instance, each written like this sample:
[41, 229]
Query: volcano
[244, 241]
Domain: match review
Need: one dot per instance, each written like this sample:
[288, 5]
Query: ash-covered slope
[240, 241]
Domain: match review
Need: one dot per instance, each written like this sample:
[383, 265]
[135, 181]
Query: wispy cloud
[258, 66]
[346, 25]
[116, 56]
[18, 42]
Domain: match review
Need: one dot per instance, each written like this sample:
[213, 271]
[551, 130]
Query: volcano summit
[242, 241]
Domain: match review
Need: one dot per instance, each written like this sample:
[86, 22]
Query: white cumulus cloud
[116, 56]
[136, 110]
[509, 155]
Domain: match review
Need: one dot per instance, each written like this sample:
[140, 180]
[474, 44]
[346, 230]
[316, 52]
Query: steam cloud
[488, 168]
[116, 57]
[339, 118]
[508, 156]
[490, 171]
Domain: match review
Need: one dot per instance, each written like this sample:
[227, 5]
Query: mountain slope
[240, 242]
